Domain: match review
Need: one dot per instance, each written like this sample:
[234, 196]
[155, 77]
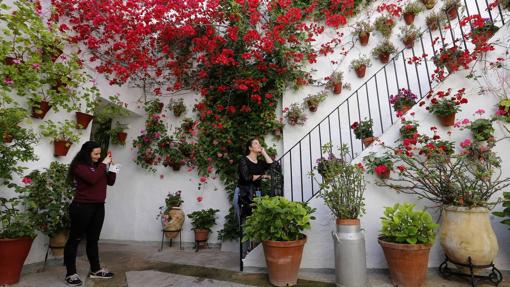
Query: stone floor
[141, 265]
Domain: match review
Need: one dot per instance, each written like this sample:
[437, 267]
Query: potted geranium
[177, 107]
[406, 237]
[483, 30]
[63, 135]
[40, 107]
[451, 7]
[118, 134]
[408, 35]
[437, 149]
[384, 24]
[409, 130]
[295, 115]
[172, 216]
[48, 195]
[342, 192]
[363, 131]
[360, 65]
[313, 101]
[503, 112]
[434, 20]
[188, 125]
[452, 58]
[380, 165]
[279, 224]
[411, 10]
[429, 4]
[335, 82]
[383, 51]
[154, 106]
[445, 106]
[10, 118]
[403, 101]
[17, 232]
[481, 129]
[202, 222]
[362, 30]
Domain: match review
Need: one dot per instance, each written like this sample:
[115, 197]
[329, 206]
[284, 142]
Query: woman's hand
[107, 160]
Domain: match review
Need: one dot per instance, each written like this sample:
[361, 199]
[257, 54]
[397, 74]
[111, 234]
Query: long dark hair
[82, 157]
[248, 145]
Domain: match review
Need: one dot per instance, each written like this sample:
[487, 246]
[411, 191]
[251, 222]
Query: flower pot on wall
[40, 109]
[201, 234]
[429, 5]
[283, 259]
[368, 141]
[452, 13]
[409, 43]
[337, 88]
[408, 263]
[58, 242]
[61, 147]
[384, 58]
[360, 71]
[363, 38]
[448, 120]
[350, 255]
[409, 18]
[404, 109]
[122, 136]
[468, 233]
[7, 138]
[83, 120]
[13, 253]
[312, 108]
[176, 220]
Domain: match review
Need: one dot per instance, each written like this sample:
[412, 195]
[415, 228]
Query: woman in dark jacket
[90, 178]
[251, 173]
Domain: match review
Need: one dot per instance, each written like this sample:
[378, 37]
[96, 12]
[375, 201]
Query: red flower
[401, 168]
[26, 180]
[354, 125]
[380, 169]
[200, 198]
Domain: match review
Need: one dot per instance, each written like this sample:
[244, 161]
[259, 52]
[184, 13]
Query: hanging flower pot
[409, 43]
[448, 120]
[57, 243]
[283, 259]
[176, 166]
[363, 38]
[201, 234]
[384, 58]
[409, 18]
[83, 120]
[404, 109]
[40, 109]
[61, 147]
[312, 108]
[13, 253]
[368, 141]
[122, 136]
[429, 4]
[360, 71]
[452, 13]
[337, 88]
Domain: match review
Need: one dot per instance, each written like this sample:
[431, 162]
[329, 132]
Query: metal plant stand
[495, 276]
[171, 240]
[46, 256]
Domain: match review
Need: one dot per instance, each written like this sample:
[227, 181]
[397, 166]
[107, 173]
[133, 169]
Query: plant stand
[495, 276]
[46, 256]
[171, 240]
[198, 243]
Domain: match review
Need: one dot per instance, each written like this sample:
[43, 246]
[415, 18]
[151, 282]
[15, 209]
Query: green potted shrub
[154, 107]
[451, 7]
[360, 65]
[383, 51]
[118, 134]
[177, 107]
[380, 165]
[295, 115]
[62, 134]
[48, 195]
[481, 129]
[411, 10]
[434, 20]
[406, 237]
[384, 24]
[17, 232]
[408, 35]
[335, 82]
[202, 222]
[313, 101]
[172, 216]
[363, 131]
[362, 30]
[279, 224]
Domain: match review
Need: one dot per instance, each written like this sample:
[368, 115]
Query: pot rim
[403, 246]
[466, 209]
[17, 238]
[290, 243]
[348, 221]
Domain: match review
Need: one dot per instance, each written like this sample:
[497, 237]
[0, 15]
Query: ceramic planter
[122, 136]
[175, 221]
[40, 109]
[283, 259]
[409, 18]
[61, 148]
[363, 38]
[13, 253]
[83, 120]
[452, 13]
[448, 120]
[368, 141]
[58, 242]
[360, 71]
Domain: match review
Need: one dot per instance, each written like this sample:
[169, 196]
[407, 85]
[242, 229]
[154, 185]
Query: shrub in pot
[172, 216]
[434, 20]
[177, 107]
[313, 101]
[362, 30]
[335, 82]
[202, 222]
[63, 135]
[451, 7]
[409, 35]
[154, 107]
[360, 65]
[363, 131]
[411, 10]
[118, 134]
[406, 237]
[383, 51]
[279, 224]
[384, 24]
[295, 115]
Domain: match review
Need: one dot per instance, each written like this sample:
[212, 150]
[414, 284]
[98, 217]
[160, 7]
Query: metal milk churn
[350, 258]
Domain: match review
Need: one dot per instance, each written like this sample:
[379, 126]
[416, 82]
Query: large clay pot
[61, 147]
[363, 38]
[83, 120]
[40, 109]
[409, 18]
[408, 263]
[201, 234]
[283, 259]
[468, 233]
[13, 253]
[175, 221]
[58, 242]
[448, 120]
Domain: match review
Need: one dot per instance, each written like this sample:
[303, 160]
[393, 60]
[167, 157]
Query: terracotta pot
[408, 263]
[384, 175]
[360, 71]
[312, 108]
[468, 232]
[404, 109]
[83, 120]
[337, 88]
[40, 109]
[452, 13]
[448, 120]
[409, 18]
[7, 138]
[368, 141]
[61, 147]
[409, 43]
[58, 242]
[283, 259]
[176, 220]
[384, 58]
[122, 136]
[432, 26]
[13, 253]
[160, 108]
[201, 234]
[363, 38]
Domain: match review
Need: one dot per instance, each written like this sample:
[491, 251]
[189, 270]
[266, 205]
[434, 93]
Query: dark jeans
[86, 220]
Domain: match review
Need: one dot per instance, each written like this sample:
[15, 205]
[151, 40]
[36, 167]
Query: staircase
[372, 100]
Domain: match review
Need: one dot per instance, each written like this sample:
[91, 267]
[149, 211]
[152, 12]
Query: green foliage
[363, 27]
[505, 213]
[413, 8]
[47, 195]
[435, 19]
[203, 219]
[115, 108]
[277, 219]
[177, 107]
[409, 33]
[361, 61]
[15, 222]
[295, 115]
[401, 224]
[385, 47]
[450, 4]
[343, 186]
[363, 129]
[116, 129]
[384, 24]
[61, 131]
[444, 107]
[315, 100]
[481, 129]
